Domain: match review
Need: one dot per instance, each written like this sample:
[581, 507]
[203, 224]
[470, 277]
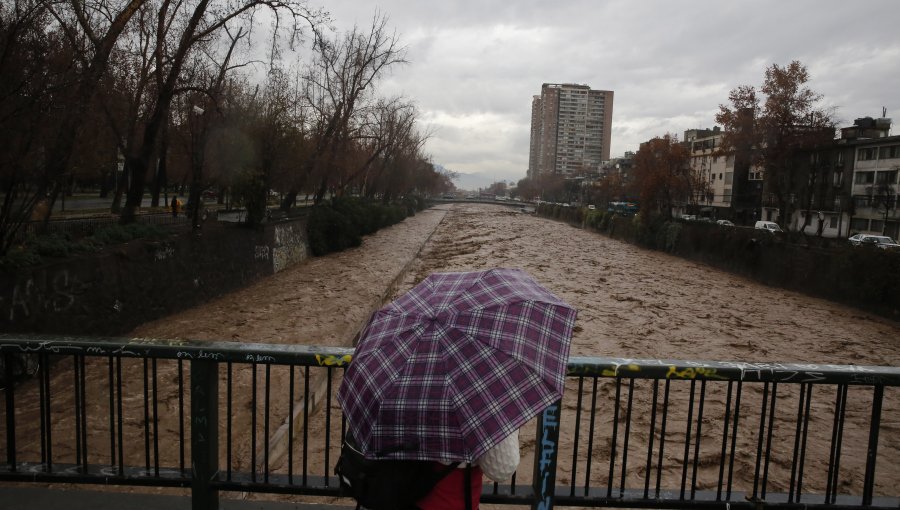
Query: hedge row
[36, 249]
[864, 277]
[342, 223]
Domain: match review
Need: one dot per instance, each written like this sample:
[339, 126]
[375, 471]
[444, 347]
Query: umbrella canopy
[455, 365]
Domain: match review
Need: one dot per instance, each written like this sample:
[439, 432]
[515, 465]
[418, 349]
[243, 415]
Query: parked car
[725, 223]
[883, 242]
[769, 226]
[592, 207]
[688, 217]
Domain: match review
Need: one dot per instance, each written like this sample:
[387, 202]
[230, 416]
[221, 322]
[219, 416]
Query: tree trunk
[159, 116]
[161, 166]
[288, 201]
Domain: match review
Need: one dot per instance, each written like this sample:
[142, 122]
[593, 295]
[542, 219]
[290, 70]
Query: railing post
[10, 411]
[872, 453]
[204, 434]
[547, 446]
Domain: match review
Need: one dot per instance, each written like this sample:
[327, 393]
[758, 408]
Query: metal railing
[628, 433]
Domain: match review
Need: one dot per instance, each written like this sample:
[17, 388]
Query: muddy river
[632, 303]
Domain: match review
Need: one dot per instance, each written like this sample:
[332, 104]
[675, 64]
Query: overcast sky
[475, 65]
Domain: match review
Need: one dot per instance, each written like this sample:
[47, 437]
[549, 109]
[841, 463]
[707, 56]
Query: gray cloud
[476, 64]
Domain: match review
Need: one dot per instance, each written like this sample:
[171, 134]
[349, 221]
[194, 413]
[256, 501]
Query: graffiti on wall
[290, 246]
[27, 298]
[163, 253]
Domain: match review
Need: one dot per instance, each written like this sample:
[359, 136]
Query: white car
[883, 242]
[725, 223]
[769, 226]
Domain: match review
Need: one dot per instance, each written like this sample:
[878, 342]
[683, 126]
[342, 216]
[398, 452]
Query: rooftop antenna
[883, 112]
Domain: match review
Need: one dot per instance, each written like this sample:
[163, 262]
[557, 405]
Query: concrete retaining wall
[111, 292]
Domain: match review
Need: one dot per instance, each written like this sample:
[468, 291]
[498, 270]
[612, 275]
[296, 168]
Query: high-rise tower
[571, 127]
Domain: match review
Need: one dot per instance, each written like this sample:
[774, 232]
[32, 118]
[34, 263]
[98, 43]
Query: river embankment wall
[864, 277]
[111, 292]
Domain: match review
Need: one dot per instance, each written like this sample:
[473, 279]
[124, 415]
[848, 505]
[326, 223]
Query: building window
[832, 221]
[889, 177]
[864, 178]
[859, 225]
[838, 179]
[890, 152]
[729, 177]
[876, 225]
[868, 154]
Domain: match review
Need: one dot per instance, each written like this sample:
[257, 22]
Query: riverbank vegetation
[861, 276]
[36, 250]
[342, 223]
[154, 97]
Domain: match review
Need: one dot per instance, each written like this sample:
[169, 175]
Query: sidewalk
[14, 498]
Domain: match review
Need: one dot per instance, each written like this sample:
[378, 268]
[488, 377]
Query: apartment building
[875, 184]
[713, 175]
[571, 129]
[721, 188]
[848, 186]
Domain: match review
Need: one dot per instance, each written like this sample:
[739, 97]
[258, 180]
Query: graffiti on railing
[693, 373]
[214, 356]
[201, 419]
[546, 464]
[729, 370]
[330, 360]
[173, 342]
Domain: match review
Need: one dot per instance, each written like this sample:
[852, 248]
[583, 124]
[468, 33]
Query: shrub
[342, 224]
[329, 231]
[52, 245]
[358, 212]
[409, 202]
[117, 234]
[605, 219]
[251, 192]
[60, 245]
[593, 219]
[671, 234]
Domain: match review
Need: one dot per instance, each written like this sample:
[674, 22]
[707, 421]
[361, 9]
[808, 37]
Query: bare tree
[788, 121]
[884, 196]
[662, 174]
[52, 57]
[340, 79]
[198, 25]
[386, 127]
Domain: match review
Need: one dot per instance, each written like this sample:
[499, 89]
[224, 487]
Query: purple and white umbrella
[455, 365]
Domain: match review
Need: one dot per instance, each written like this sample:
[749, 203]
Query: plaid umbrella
[455, 365]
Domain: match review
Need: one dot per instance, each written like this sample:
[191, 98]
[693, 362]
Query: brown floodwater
[632, 303]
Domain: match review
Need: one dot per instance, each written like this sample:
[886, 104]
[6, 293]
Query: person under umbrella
[452, 369]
